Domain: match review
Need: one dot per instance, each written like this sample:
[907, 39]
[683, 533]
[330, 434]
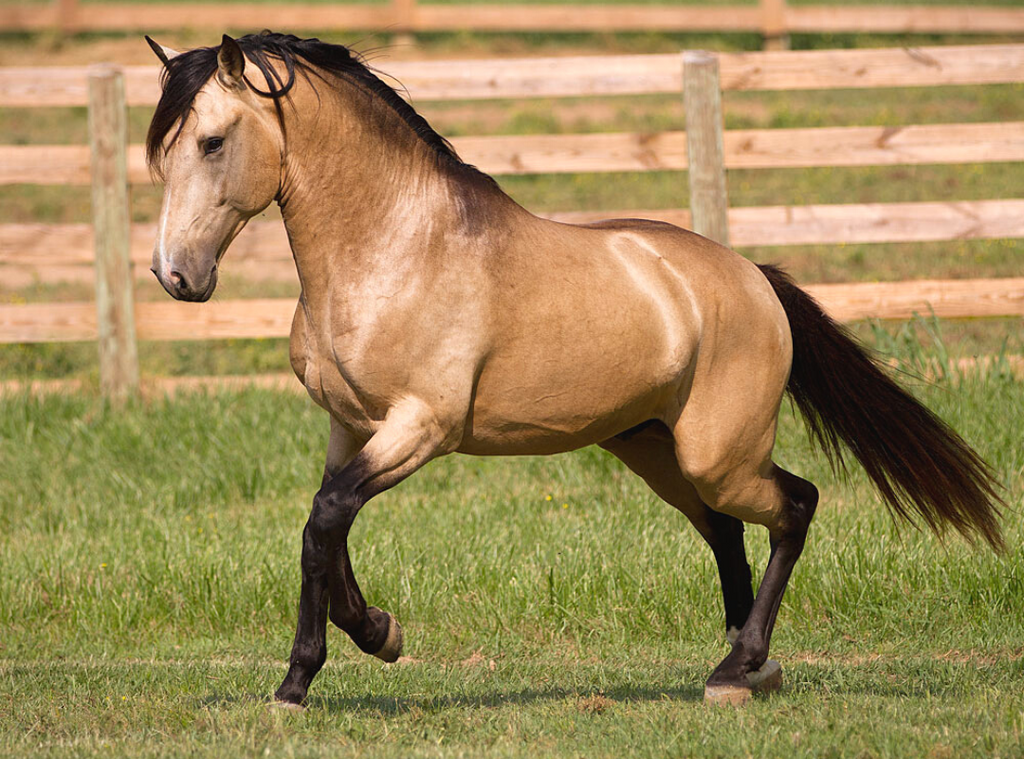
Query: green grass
[149, 577]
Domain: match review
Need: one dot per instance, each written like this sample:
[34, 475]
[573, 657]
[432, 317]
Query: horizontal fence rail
[629, 151]
[272, 317]
[772, 18]
[578, 76]
[41, 246]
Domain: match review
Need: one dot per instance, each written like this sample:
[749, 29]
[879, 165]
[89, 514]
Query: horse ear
[230, 63]
[163, 53]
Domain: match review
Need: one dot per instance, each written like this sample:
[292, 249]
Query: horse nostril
[175, 278]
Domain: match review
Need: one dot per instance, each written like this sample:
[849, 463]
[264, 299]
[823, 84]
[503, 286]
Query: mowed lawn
[552, 606]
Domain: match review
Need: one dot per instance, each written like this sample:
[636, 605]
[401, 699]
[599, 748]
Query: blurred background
[45, 211]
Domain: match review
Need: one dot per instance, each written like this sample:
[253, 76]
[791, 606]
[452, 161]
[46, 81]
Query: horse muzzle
[182, 284]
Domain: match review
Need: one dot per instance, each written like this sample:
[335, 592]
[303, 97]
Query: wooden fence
[43, 248]
[774, 19]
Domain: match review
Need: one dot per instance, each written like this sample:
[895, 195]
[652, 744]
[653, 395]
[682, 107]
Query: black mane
[187, 73]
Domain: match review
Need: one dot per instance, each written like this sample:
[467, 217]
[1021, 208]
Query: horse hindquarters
[712, 461]
[918, 464]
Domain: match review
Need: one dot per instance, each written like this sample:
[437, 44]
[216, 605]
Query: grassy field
[552, 606]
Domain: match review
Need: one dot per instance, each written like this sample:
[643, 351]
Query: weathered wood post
[67, 15]
[702, 100]
[773, 24]
[405, 22]
[115, 312]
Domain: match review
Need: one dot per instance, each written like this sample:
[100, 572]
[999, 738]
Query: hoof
[392, 647]
[285, 706]
[726, 695]
[768, 679]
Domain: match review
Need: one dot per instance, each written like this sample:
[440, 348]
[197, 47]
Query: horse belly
[547, 431]
[574, 379]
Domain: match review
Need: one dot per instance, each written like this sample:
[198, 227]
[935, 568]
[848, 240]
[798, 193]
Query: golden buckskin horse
[438, 316]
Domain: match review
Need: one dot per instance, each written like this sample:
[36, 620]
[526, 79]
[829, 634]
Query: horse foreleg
[409, 437]
[309, 651]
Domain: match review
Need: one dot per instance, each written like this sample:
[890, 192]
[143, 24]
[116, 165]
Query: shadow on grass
[397, 705]
[823, 682]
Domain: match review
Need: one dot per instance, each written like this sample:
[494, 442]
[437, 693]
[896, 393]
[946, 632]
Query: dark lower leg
[410, 436]
[309, 651]
[750, 650]
[726, 540]
[367, 626]
[329, 590]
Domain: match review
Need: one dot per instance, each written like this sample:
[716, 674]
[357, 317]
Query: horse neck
[362, 192]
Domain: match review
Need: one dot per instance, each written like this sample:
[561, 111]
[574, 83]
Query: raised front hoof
[767, 679]
[392, 647]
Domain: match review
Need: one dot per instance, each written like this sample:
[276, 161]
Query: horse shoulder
[297, 343]
[300, 354]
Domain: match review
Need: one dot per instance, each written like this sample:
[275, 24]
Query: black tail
[915, 460]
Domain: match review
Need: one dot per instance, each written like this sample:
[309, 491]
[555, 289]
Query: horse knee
[801, 502]
[333, 513]
[773, 498]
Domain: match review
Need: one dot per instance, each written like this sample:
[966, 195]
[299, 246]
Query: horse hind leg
[649, 451]
[735, 476]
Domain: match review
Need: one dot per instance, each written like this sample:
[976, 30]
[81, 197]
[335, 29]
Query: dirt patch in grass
[953, 656]
[595, 703]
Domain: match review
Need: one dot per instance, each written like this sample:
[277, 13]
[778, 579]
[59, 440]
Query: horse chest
[319, 368]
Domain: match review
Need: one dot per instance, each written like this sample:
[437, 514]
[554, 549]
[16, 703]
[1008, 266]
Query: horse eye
[213, 145]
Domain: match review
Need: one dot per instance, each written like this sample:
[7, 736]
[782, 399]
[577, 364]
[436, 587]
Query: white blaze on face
[161, 247]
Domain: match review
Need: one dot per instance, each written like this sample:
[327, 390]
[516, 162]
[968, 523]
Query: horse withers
[438, 316]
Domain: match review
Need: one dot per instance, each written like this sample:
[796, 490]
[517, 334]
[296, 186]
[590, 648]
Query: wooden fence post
[702, 101]
[405, 22]
[773, 24]
[67, 15]
[115, 312]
